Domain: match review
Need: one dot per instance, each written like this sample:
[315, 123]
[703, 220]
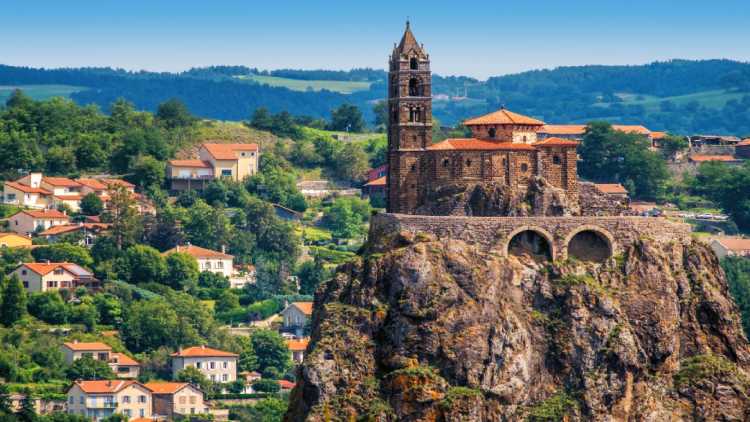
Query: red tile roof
[641, 130]
[189, 163]
[614, 188]
[297, 345]
[703, 158]
[104, 386]
[67, 228]
[556, 142]
[45, 214]
[203, 351]
[743, 143]
[228, 151]
[735, 243]
[286, 385]
[87, 346]
[60, 181]
[124, 360]
[581, 129]
[478, 145]
[198, 252]
[165, 387]
[70, 197]
[380, 181]
[45, 268]
[305, 307]
[27, 189]
[92, 183]
[503, 117]
[659, 135]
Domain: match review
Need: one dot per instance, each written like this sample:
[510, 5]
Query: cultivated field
[39, 92]
[344, 87]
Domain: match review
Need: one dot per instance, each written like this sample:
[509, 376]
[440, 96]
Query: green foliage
[269, 409]
[727, 186]
[91, 204]
[13, 300]
[49, 307]
[143, 264]
[311, 274]
[459, 393]
[88, 368]
[709, 367]
[346, 217]
[174, 114]
[10, 257]
[281, 124]
[554, 408]
[148, 172]
[617, 157]
[347, 117]
[266, 386]
[737, 270]
[277, 185]
[63, 252]
[194, 376]
[271, 350]
[182, 271]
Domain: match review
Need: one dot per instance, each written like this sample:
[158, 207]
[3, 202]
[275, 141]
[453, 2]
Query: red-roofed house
[42, 277]
[742, 149]
[103, 398]
[297, 348]
[176, 399]
[702, 158]
[33, 221]
[88, 231]
[215, 160]
[613, 190]
[122, 365]
[216, 365]
[731, 246]
[24, 195]
[296, 316]
[208, 260]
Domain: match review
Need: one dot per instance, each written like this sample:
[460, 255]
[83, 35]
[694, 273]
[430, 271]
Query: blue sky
[477, 38]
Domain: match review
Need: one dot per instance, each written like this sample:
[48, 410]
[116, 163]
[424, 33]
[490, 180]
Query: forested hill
[681, 96]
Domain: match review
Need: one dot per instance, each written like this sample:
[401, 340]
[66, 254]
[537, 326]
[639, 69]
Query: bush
[266, 386]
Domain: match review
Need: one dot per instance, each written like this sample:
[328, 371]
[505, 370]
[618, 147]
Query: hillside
[681, 96]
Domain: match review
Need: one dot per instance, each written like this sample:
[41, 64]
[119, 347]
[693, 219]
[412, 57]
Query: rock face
[427, 329]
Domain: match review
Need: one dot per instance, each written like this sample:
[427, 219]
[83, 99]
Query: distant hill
[681, 96]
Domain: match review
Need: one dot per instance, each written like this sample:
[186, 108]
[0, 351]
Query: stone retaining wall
[495, 233]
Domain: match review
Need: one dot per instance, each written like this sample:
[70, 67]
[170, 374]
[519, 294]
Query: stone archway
[530, 240]
[589, 243]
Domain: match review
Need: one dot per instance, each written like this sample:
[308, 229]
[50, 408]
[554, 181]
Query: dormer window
[414, 63]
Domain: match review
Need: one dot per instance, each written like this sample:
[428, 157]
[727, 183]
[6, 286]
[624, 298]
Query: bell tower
[409, 123]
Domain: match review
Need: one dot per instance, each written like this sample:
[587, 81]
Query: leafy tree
[227, 301]
[311, 274]
[116, 418]
[271, 350]
[726, 186]
[109, 308]
[671, 145]
[266, 386]
[208, 226]
[145, 264]
[380, 109]
[86, 314]
[10, 257]
[274, 184]
[27, 413]
[150, 324]
[346, 217]
[237, 386]
[193, 376]
[49, 307]
[148, 172]
[91, 204]
[174, 114]
[60, 160]
[5, 400]
[248, 361]
[211, 280]
[13, 301]
[126, 221]
[182, 271]
[351, 162]
[88, 368]
[347, 117]
[63, 252]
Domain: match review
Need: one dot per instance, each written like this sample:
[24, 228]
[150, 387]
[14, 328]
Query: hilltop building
[216, 365]
[504, 147]
[122, 365]
[215, 161]
[50, 276]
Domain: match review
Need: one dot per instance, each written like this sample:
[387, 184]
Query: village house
[613, 190]
[208, 260]
[87, 232]
[215, 161]
[296, 316]
[14, 240]
[731, 246]
[33, 221]
[375, 188]
[103, 398]
[173, 399]
[25, 196]
[742, 149]
[297, 348]
[576, 132]
[216, 365]
[122, 365]
[50, 276]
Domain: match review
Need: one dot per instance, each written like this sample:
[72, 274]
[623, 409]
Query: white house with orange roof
[216, 365]
[215, 161]
[122, 365]
[731, 246]
[296, 316]
[15, 193]
[176, 399]
[32, 221]
[103, 398]
[42, 277]
[297, 348]
[208, 260]
[88, 232]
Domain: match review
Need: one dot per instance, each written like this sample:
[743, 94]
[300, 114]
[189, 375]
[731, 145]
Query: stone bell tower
[409, 123]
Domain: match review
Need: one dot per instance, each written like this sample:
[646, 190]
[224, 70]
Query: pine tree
[13, 301]
[5, 400]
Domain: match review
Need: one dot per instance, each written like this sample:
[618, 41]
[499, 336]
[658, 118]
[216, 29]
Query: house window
[492, 132]
[58, 271]
[128, 412]
[24, 272]
[414, 87]
[226, 172]
[556, 159]
[198, 365]
[252, 154]
[446, 162]
[182, 399]
[468, 163]
[213, 378]
[524, 168]
[142, 413]
[212, 365]
[126, 399]
[224, 377]
[25, 284]
[141, 399]
[242, 154]
[72, 400]
[11, 197]
[226, 365]
[220, 265]
[413, 167]
[82, 400]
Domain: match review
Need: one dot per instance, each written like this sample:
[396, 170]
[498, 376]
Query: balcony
[98, 404]
[192, 176]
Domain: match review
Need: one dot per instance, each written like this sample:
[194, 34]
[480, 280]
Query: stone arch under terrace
[589, 243]
[530, 240]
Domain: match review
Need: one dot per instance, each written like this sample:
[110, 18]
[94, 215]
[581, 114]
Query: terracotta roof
[228, 151]
[702, 158]
[286, 385]
[189, 163]
[642, 130]
[659, 135]
[563, 129]
[503, 117]
[84, 346]
[67, 228]
[165, 387]
[203, 351]
[104, 386]
[745, 142]
[48, 214]
[27, 189]
[478, 145]
[71, 197]
[305, 307]
[60, 181]
[556, 142]
[735, 243]
[124, 360]
[198, 252]
[45, 268]
[611, 188]
[380, 181]
[92, 183]
[297, 345]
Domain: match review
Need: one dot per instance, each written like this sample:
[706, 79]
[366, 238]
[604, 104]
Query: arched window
[414, 90]
[492, 132]
[468, 163]
[415, 115]
[414, 63]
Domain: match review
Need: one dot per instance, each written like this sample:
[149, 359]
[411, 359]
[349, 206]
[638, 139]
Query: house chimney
[203, 346]
[224, 249]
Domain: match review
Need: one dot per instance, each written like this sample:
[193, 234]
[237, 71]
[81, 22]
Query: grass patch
[314, 234]
[39, 92]
[455, 394]
[332, 256]
[708, 367]
[343, 87]
[715, 99]
[553, 408]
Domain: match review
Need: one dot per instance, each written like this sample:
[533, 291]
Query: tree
[182, 271]
[27, 413]
[126, 221]
[351, 162]
[85, 314]
[247, 361]
[5, 400]
[266, 386]
[150, 324]
[207, 226]
[193, 376]
[91, 204]
[116, 418]
[347, 117]
[346, 217]
[174, 114]
[63, 252]
[109, 308]
[380, 109]
[88, 368]
[671, 145]
[49, 307]
[726, 186]
[13, 301]
[145, 264]
[311, 274]
[271, 350]
[211, 280]
[148, 172]
[60, 160]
